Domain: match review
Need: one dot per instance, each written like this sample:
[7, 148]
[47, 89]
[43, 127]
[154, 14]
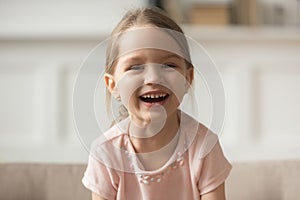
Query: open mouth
[154, 98]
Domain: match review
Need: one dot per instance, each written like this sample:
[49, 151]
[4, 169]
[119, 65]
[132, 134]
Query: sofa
[265, 180]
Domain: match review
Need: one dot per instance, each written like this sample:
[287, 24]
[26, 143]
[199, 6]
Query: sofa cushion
[265, 180]
[42, 182]
[269, 180]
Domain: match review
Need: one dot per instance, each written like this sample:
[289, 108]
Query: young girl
[154, 150]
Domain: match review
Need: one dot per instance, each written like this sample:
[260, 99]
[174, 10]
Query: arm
[216, 194]
[96, 197]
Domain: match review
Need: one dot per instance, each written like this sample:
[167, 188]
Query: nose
[153, 74]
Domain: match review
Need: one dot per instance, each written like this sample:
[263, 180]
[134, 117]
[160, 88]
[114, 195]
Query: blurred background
[254, 43]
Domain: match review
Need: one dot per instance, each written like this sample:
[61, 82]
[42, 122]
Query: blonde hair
[140, 17]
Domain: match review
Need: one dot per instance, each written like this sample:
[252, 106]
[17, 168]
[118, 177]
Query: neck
[155, 136]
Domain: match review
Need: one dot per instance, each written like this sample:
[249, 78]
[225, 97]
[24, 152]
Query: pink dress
[196, 167]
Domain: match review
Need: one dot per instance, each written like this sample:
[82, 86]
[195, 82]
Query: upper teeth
[154, 95]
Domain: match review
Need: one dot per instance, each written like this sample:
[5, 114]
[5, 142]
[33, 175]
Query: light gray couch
[270, 180]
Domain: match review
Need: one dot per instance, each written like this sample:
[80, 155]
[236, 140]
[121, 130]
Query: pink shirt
[197, 166]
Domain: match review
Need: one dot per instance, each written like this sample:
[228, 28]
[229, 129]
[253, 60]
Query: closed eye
[169, 66]
[136, 67]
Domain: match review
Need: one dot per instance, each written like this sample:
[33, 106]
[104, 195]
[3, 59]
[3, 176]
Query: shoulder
[114, 135]
[108, 149]
[200, 139]
[208, 164]
[203, 143]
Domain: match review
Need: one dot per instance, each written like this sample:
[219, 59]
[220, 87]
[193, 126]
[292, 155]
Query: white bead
[181, 163]
[140, 175]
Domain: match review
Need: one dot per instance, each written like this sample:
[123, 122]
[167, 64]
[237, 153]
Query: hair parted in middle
[134, 18]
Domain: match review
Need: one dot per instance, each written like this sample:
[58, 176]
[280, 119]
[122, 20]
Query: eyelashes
[138, 67]
[169, 66]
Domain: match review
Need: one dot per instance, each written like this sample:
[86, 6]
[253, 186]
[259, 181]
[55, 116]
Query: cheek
[127, 87]
[177, 84]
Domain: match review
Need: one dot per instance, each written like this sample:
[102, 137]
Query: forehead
[149, 55]
[138, 38]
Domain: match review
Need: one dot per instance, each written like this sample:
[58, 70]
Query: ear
[189, 77]
[111, 85]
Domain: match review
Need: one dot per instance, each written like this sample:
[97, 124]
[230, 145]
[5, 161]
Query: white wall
[39, 58]
[56, 17]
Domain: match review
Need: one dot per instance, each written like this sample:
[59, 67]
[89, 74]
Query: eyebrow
[166, 56]
[171, 55]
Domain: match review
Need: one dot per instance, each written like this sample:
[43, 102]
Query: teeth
[154, 96]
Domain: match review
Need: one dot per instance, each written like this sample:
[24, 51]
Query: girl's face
[150, 82]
